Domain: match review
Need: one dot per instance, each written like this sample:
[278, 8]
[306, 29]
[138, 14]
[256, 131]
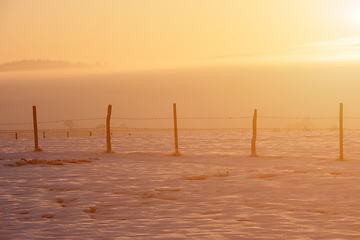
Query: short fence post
[67, 134]
[90, 134]
[176, 132]
[341, 129]
[43, 134]
[108, 135]
[37, 149]
[15, 135]
[253, 140]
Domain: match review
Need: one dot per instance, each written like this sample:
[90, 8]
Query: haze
[140, 32]
[213, 58]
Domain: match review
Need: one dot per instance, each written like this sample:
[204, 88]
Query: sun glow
[352, 12]
[353, 16]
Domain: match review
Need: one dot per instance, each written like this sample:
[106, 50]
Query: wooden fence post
[15, 135]
[108, 135]
[43, 134]
[176, 132]
[341, 129]
[253, 140]
[37, 149]
[67, 134]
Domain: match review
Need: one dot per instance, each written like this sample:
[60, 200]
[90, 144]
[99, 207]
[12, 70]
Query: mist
[206, 89]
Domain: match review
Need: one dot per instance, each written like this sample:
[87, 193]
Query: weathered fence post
[37, 149]
[341, 129]
[108, 135]
[176, 132]
[90, 134]
[67, 134]
[253, 140]
[15, 135]
[43, 134]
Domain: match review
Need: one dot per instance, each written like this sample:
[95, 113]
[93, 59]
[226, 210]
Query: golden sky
[141, 32]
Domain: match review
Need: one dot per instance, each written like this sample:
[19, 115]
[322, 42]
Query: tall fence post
[341, 129]
[176, 132]
[36, 139]
[253, 140]
[108, 135]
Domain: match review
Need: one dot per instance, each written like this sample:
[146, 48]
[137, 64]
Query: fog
[205, 89]
[211, 58]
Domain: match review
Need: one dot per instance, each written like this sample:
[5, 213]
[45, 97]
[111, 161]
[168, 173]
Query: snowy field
[72, 190]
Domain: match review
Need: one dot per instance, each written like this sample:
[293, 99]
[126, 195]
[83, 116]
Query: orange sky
[137, 32]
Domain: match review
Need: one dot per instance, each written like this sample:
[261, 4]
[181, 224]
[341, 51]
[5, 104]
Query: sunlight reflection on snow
[150, 195]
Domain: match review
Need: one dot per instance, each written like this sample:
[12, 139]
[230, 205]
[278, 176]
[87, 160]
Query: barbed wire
[144, 147]
[84, 146]
[62, 139]
[219, 118]
[14, 131]
[226, 129]
[68, 146]
[352, 151]
[295, 149]
[297, 140]
[263, 140]
[129, 118]
[351, 129]
[72, 138]
[184, 138]
[80, 119]
[54, 130]
[183, 118]
[212, 148]
[206, 147]
[180, 129]
[351, 117]
[125, 146]
[142, 137]
[226, 118]
[170, 118]
[3, 124]
[172, 138]
[212, 118]
[70, 130]
[215, 139]
[171, 148]
[12, 147]
[298, 129]
[187, 138]
[172, 129]
[54, 121]
[269, 117]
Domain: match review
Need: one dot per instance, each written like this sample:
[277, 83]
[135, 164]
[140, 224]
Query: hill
[31, 64]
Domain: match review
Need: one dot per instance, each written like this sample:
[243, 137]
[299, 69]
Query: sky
[307, 46]
[142, 32]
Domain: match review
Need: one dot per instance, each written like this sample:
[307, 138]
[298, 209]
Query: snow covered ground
[72, 190]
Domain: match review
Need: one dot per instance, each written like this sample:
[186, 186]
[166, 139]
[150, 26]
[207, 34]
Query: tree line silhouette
[39, 64]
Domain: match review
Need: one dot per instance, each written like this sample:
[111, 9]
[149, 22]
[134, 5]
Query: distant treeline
[39, 64]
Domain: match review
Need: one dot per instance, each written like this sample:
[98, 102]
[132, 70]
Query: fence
[108, 131]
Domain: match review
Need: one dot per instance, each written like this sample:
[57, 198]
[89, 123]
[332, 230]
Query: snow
[296, 189]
